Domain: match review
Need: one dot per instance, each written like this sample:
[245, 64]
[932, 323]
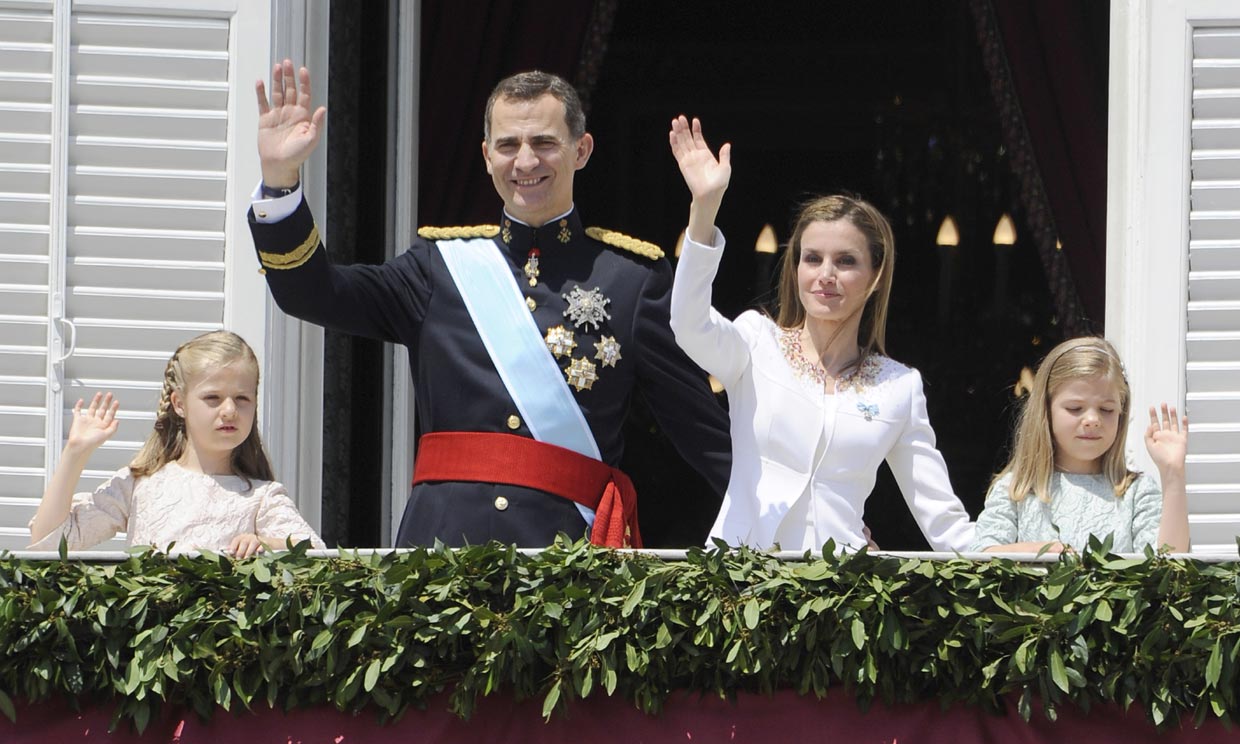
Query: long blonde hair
[1033, 450]
[168, 439]
[874, 227]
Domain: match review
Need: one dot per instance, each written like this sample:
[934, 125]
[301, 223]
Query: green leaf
[553, 697]
[635, 597]
[1058, 674]
[323, 639]
[6, 707]
[141, 717]
[1214, 666]
[751, 614]
[372, 675]
[858, 633]
[1102, 611]
[663, 638]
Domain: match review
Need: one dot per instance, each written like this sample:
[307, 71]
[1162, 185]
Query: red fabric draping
[687, 718]
[1059, 73]
[467, 48]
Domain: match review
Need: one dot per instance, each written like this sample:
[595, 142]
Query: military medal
[586, 308]
[531, 267]
[607, 350]
[560, 341]
[581, 374]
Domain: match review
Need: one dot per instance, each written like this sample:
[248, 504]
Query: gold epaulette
[457, 233]
[626, 242]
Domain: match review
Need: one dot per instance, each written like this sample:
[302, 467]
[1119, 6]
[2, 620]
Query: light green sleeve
[997, 524]
[1146, 511]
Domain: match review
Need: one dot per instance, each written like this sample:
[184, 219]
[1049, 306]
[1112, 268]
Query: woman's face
[834, 275]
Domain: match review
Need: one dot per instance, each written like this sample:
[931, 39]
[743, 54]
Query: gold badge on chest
[581, 374]
[560, 341]
[607, 350]
[586, 311]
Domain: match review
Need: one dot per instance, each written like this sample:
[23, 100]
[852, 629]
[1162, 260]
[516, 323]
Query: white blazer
[798, 453]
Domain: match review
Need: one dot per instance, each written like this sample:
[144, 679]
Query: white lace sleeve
[279, 519]
[94, 517]
[1147, 512]
[998, 524]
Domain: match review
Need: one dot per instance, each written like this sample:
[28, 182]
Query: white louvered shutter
[1213, 346]
[127, 238]
[26, 91]
[148, 121]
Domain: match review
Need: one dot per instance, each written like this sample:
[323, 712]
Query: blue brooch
[869, 411]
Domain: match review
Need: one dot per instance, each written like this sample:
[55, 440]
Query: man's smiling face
[532, 158]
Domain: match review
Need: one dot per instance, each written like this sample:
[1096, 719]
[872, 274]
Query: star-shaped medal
[607, 350]
[581, 374]
[586, 308]
[560, 341]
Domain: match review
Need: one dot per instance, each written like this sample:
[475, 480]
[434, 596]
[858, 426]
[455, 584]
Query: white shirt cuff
[268, 210]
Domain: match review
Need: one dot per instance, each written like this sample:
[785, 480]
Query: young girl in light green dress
[1068, 478]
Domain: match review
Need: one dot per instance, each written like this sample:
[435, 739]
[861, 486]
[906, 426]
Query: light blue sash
[517, 348]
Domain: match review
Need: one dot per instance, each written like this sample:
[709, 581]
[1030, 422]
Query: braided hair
[168, 439]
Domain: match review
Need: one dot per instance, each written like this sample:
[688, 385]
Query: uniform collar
[519, 237]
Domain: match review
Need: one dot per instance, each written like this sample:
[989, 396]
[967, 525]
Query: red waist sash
[518, 461]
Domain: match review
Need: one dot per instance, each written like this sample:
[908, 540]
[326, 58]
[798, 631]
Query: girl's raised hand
[1166, 439]
[706, 176]
[93, 425]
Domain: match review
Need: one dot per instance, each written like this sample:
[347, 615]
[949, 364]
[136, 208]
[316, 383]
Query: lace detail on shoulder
[789, 340]
[867, 375]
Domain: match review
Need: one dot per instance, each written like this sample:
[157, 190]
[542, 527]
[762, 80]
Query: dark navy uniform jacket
[412, 300]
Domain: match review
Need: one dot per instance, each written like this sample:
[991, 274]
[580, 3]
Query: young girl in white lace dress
[1068, 477]
[202, 480]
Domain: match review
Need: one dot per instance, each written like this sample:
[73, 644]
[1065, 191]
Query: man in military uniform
[526, 338]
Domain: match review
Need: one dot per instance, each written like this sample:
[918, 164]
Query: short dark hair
[528, 86]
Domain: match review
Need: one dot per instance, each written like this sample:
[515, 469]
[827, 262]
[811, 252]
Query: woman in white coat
[815, 403]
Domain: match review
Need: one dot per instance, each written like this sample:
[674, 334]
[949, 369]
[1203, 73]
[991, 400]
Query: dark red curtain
[783, 716]
[467, 48]
[1049, 76]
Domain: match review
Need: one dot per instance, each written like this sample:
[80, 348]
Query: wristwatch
[272, 193]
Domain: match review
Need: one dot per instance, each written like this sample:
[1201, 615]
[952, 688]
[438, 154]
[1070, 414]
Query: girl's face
[1084, 423]
[218, 406]
[834, 275]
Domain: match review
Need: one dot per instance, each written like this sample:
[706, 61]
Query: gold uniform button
[501, 503]
[261, 215]
[529, 302]
[514, 421]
